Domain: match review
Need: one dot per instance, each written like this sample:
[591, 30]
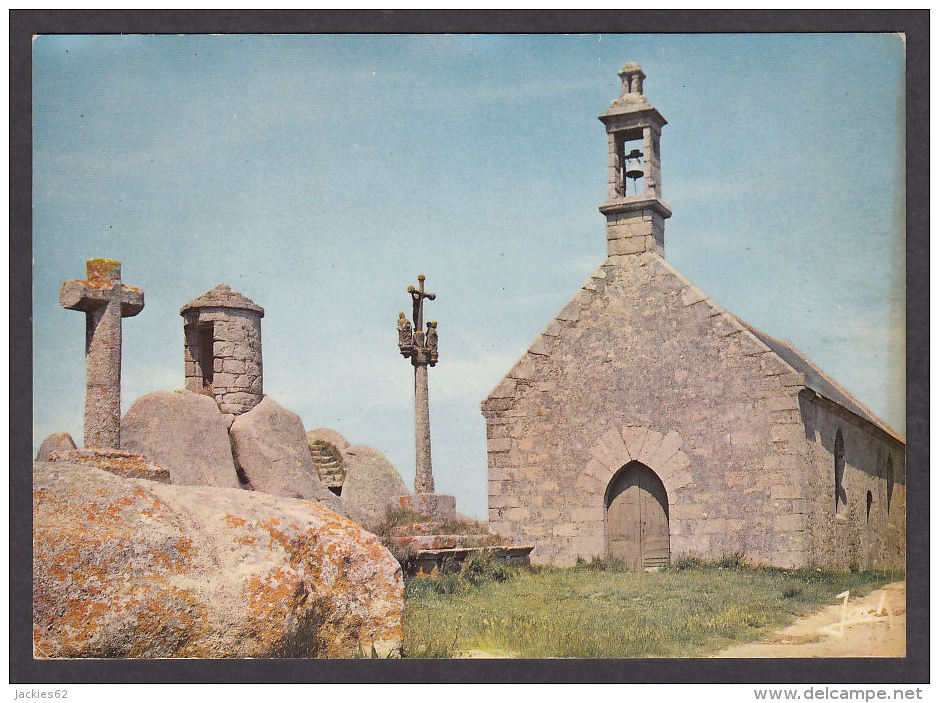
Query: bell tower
[635, 212]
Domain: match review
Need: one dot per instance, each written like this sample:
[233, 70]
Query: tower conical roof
[222, 296]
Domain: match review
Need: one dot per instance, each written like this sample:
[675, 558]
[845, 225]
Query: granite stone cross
[104, 300]
[420, 356]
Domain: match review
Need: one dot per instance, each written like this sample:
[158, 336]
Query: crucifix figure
[104, 300]
[414, 346]
[417, 296]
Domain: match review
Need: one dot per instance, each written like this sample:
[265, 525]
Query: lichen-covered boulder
[115, 461]
[56, 442]
[271, 451]
[184, 432]
[133, 568]
[370, 486]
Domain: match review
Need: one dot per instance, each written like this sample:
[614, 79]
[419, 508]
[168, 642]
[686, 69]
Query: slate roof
[816, 379]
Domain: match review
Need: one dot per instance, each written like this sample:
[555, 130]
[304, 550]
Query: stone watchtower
[635, 212]
[223, 348]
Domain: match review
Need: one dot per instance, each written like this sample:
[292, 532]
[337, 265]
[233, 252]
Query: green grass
[601, 610]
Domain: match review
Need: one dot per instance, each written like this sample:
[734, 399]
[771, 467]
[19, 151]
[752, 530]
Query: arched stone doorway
[637, 517]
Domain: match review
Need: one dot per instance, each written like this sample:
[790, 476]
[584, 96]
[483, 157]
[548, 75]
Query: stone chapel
[647, 423]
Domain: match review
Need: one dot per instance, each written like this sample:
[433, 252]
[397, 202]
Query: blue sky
[318, 175]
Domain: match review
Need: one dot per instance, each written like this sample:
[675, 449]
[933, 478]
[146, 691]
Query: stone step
[328, 464]
[319, 450]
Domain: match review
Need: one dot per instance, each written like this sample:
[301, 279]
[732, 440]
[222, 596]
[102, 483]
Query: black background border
[912, 669]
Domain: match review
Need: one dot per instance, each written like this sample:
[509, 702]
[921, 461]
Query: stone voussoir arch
[617, 447]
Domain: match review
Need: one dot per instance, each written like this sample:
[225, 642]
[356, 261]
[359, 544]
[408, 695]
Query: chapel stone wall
[858, 533]
[640, 364]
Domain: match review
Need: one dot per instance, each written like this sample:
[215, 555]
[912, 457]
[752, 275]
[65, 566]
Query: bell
[633, 167]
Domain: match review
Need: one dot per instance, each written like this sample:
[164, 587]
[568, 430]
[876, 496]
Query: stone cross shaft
[104, 300]
[420, 358]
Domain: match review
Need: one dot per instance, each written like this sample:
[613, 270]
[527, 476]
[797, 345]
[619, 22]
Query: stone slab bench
[429, 559]
[442, 541]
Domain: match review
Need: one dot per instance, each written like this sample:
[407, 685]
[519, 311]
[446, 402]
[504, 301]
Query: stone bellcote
[635, 212]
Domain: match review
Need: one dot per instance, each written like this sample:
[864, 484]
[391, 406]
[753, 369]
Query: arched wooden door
[637, 517]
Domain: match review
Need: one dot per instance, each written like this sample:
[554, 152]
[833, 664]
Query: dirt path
[485, 654]
[875, 635]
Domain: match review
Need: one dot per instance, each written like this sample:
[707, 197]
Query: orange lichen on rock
[134, 568]
[103, 270]
[89, 572]
[126, 464]
[234, 521]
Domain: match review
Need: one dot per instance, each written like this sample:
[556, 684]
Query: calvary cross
[420, 357]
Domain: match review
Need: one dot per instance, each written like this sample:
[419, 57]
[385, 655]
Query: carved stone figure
[404, 332]
[432, 341]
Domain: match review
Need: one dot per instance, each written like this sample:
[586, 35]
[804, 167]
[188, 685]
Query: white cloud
[470, 378]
